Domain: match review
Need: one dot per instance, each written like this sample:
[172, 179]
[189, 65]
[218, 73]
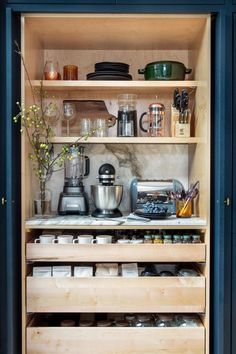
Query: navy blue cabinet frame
[222, 129]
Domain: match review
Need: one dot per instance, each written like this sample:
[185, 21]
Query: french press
[156, 120]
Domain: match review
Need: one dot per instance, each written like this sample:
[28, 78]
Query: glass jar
[196, 239]
[131, 319]
[70, 72]
[67, 323]
[167, 239]
[147, 238]
[186, 239]
[186, 320]
[158, 239]
[177, 239]
[164, 321]
[187, 272]
[183, 208]
[143, 321]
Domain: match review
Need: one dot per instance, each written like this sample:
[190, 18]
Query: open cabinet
[84, 39]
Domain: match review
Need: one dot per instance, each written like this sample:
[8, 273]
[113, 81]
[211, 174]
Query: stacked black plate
[110, 71]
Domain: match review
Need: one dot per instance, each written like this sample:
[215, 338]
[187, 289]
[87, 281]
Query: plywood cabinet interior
[84, 39]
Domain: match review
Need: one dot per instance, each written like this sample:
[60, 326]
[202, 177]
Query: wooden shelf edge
[108, 85]
[128, 140]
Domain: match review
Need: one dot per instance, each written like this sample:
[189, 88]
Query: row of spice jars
[139, 320]
[168, 238]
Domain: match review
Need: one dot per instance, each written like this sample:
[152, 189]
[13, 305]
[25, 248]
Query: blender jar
[127, 115]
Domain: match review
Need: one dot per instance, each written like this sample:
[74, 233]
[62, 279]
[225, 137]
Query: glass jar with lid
[86, 323]
[104, 323]
[122, 323]
[144, 321]
[147, 237]
[158, 239]
[187, 239]
[164, 320]
[196, 239]
[167, 239]
[186, 320]
[177, 239]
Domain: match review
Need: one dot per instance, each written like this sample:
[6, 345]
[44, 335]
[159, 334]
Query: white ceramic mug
[83, 239]
[63, 239]
[45, 239]
[102, 239]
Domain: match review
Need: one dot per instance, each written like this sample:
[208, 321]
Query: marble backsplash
[130, 161]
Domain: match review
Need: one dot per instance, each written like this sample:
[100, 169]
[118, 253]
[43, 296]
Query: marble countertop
[125, 221]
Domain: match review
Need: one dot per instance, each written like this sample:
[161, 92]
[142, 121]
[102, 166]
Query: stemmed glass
[69, 112]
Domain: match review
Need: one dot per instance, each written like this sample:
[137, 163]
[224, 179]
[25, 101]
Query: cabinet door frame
[10, 250]
[221, 167]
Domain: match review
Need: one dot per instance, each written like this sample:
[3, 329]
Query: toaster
[153, 196]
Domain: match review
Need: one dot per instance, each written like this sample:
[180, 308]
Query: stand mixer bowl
[107, 198]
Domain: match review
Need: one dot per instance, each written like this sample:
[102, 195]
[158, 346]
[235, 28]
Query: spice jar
[187, 239]
[196, 239]
[148, 237]
[167, 239]
[143, 321]
[70, 72]
[177, 239]
[158, 239]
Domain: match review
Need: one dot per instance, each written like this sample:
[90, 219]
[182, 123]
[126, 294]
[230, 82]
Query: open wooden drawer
[116, 252]
[143, 294]
[114, 340]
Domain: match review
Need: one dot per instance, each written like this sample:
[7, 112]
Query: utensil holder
[184, 208]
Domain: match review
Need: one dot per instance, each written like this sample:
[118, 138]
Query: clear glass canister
[143, 321]
[127, 115]
[186, 320]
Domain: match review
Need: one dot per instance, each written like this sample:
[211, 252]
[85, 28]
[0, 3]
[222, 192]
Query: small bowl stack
[110, 71]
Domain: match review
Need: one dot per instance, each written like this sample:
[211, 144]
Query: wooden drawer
[56, 340]
[143, 294]
[116, 252]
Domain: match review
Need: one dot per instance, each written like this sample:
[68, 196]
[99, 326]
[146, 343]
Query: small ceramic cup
[45, 239]
[64, 239]
[83, 239]
[102, 239]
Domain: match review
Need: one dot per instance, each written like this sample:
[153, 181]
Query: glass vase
[43, 201]
[183, 208]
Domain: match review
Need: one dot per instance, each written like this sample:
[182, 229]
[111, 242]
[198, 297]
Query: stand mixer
[106, 195]
[73, 200]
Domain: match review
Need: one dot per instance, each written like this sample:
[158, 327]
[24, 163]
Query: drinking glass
[85, 126]
[69, 112]
[100, 127]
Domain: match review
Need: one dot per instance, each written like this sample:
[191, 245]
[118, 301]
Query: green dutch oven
[165, 70]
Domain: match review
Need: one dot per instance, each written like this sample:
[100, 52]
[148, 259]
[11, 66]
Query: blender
[106, 195]
[73, 200]
[127, 115]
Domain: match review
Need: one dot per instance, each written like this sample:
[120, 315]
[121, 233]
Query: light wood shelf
[80, 222]
[128, 140]
[104, 85]
[116, 294]
[60, 340]
[115, 252]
